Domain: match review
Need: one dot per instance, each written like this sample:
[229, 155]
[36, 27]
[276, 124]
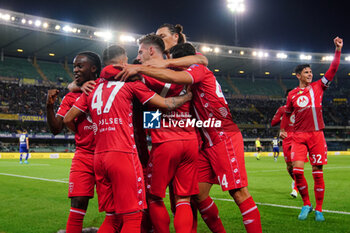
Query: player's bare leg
[294, 192]
[159, 214]
[319, 188]
[183, 219]
[300, 181]
[76, 214]
[248, 208]
[207, 208]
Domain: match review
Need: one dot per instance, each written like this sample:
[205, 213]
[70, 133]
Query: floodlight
[230, 51]
[45, 25]
[305, 57]
[37, 23]
[57, 27]
[106, 35]
[23, 21]
[281, 55]
[236, 5]
[216, 50]
[127, 38]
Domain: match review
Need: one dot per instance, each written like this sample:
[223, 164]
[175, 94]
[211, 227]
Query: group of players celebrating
[111, 148]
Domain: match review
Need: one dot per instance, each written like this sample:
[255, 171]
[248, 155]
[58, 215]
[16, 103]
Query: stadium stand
[18, 68]
[55, 72]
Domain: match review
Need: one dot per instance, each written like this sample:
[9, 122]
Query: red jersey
[287, 123]
[306, 104]
[168, 131]
[84, 137]
[110, 107]
[209, 105]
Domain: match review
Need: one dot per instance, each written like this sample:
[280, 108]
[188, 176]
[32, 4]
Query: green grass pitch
[32, 205]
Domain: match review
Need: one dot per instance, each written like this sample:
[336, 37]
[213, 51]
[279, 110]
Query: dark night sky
[300, 25]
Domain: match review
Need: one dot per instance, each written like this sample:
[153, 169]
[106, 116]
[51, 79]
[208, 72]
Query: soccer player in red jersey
[87, 66]
[118, 171]
[177, 165]
[287, 125]
[305, 102]
[222, 158]
[173, 35]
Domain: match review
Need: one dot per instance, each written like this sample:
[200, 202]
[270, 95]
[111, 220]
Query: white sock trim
[250, 210]
[183, 203]
[206, 208]
[78, 212]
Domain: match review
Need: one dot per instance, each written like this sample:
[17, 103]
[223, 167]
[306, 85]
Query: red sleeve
[289, 105]
[109, 72]
[142, 92]
[66, 104]
[328, 77]
[278, 116]
[197, 72]
[82, 103]
[284, 121]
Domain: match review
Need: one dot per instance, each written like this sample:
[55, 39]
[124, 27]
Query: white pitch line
[284, 206]
[35, 178]
[219, 199]
[307, 169]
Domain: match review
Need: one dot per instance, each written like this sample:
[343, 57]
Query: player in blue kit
[23, 146]
[276, 149]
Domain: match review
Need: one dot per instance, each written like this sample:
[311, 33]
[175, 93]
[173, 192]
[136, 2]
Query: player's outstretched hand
[158, 63]
[88, 87]
[128, 71]
[51, 96]
[283, 134]
[338, 42]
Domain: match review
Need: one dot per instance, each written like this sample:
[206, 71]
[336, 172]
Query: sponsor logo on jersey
[151, 119]
[302, 101]
[292, 118]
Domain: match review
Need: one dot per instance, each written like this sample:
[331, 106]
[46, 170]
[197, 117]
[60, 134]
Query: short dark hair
[175, 29]
[300, 68]
[94, 59]
[182, 50]
[153, 39]
[112, 52]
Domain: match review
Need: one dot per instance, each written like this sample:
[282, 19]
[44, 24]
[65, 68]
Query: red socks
[112, 223]
[301, 183]
[132, 222]
[159, 216]
[251, 216]
[210, 215]
[75, 220]
[319, 188]
[183, 219]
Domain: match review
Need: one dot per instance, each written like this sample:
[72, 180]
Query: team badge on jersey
[302, 101]
[151, 119]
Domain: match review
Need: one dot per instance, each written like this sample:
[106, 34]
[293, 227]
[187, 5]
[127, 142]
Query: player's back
[209, 103]
[182, 113]
[23, 140]
[110, 107]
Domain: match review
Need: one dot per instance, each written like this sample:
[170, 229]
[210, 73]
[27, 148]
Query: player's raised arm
[328, 77]
[70, 116]
[178, 62]
[163, 75]
[55, 122]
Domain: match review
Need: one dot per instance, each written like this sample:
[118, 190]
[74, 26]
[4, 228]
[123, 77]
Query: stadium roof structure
[24, 35]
